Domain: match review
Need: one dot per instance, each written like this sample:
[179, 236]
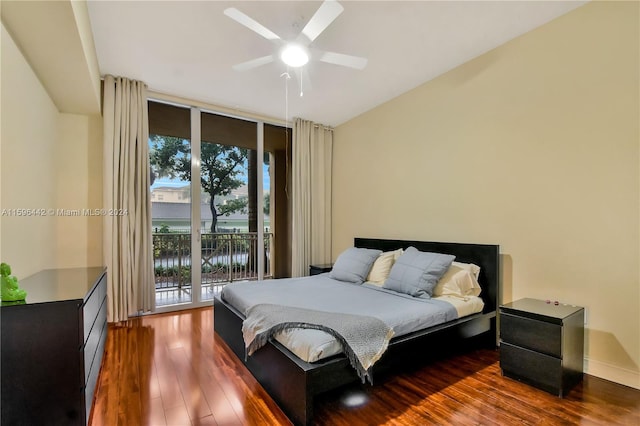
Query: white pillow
[382, 266]
[461, 279]
[475, 269]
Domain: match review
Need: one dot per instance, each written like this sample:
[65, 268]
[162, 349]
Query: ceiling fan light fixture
[294, 55]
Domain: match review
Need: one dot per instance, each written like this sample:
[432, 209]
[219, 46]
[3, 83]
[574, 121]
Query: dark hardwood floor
[171, 369]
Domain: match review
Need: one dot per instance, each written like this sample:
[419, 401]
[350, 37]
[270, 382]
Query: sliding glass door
[170, 157]
[210, 203]
[232, 219]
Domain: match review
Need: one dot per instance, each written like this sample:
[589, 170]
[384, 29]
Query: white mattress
[314, 345]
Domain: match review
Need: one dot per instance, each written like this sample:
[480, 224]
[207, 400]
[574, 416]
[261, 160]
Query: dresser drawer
[93, 342]
[542, 371]
[532, 334]
[93, 304]
[92, 378]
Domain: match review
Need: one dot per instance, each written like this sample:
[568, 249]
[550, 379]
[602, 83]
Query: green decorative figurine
[10, 290]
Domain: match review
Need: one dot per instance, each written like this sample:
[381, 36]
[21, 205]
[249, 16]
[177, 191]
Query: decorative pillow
[382, 266]
[416, 273]
[459, 280]
[354, 264]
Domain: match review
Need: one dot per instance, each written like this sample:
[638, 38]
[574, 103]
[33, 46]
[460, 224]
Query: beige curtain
[311, 195]
[127, 220]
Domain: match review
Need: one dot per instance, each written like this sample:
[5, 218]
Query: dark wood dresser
[52, 346]
[542, 344]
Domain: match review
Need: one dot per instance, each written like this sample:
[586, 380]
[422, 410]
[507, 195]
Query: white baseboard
[612, 373]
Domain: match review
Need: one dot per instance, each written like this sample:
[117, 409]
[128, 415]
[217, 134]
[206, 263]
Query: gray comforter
[402, 313]
[363, 338]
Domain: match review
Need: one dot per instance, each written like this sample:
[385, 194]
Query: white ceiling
[187, 49]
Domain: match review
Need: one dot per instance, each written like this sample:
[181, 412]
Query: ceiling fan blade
[324, 16]
[248, 22]
[254, 63]
[350, 61]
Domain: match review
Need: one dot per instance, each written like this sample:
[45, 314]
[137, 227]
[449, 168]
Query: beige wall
[533, 146]
[29, 130]
[49, 161]
[79, 186]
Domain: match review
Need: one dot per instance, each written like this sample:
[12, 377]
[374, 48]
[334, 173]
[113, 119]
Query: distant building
[171, 195]
[168, 194]
[176, 215]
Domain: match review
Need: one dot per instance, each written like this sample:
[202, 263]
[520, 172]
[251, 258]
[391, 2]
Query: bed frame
[293, 383]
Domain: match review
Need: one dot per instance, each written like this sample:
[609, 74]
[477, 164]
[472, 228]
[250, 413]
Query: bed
[293, 383]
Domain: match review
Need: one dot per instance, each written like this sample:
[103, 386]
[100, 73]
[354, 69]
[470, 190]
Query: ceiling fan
[296, 53]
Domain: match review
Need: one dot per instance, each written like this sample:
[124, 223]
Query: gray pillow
[353, 264]
[416, 273]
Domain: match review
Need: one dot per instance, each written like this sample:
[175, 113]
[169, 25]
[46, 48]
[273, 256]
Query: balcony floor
[176, 296]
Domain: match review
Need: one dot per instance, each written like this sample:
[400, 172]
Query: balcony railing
[226, 257]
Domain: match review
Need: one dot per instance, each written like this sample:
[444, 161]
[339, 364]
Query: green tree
[220, 166]
[267, 203]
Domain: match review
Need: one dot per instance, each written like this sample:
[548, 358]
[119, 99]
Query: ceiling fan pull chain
[301, 92]
[287, 77]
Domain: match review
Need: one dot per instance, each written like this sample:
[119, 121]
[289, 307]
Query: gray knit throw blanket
[363, 339]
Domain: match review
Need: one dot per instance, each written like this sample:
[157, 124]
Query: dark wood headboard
[486, 256]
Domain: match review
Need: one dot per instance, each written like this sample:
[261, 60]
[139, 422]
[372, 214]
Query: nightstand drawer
[542, 371]
[531, 334]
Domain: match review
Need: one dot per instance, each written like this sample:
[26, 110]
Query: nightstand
[320, 268]
[542, 344]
